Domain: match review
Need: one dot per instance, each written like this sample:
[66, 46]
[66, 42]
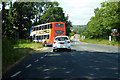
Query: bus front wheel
[45, 44]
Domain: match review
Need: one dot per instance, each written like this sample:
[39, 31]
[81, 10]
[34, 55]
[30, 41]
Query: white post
[82, 36]
[109, 38]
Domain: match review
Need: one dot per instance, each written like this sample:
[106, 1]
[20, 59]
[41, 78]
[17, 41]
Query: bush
[13, 50]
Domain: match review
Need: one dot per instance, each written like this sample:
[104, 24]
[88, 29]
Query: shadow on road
[74, 65]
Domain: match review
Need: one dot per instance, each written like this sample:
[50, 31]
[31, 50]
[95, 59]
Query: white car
[61, 43]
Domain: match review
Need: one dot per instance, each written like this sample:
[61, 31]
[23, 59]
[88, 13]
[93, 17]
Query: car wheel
[69, 50]
[53, 50]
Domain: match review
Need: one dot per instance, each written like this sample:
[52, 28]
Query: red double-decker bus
[45, 33]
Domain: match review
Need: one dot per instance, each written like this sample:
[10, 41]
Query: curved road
[85, 61]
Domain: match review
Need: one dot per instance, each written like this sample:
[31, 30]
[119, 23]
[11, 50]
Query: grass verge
[14, 50]
[103, 42]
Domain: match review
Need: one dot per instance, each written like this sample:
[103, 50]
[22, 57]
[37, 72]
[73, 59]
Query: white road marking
[45, 54]
[85, 49]
[28, 66]
[16, 74]
[42, 57]
[36, 60]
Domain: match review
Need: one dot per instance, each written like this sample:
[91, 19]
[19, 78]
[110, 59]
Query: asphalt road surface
[85, 61]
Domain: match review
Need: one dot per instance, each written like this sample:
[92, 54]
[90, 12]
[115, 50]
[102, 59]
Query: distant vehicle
[45, 33]
[61, 42]
[74, 36]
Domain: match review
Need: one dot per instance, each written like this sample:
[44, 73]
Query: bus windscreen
[59, 25]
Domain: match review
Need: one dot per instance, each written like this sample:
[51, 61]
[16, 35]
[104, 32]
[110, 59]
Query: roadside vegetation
[105, 20]
[101, 41]
[100, 26]
[16, 23]
[14, 50]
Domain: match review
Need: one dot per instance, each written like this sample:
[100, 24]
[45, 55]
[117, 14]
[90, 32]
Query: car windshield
[61, 39]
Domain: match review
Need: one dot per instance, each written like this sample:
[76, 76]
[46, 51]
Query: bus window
[50, 25]
[33, 37]
[58, 25]
[34, 29]
[43, 36]
[42, 27]
[47, 36]
[45, 26]
[37, 37]
[39, 28]
[40, 37]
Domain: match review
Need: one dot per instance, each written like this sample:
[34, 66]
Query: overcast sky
[79, 11]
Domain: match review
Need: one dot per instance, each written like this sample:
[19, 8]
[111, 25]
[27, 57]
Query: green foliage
[72, 33]
[106, 18]
[56, 14]
[78, 29]
[23, 15]
[53, 14]
[13, 50]
[101, 41]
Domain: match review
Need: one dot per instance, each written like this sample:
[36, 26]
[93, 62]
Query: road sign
[115, 34]
[114, 30]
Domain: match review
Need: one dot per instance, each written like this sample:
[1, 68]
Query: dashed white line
[45, 54]
[42, 57]
[36, 60]
[28, 66]
[16, 74]
[85, 49]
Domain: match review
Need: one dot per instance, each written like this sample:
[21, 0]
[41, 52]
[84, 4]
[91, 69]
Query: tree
[56, 14]
[22, 15]
[106, 18]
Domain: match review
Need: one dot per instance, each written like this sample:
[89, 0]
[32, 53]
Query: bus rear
[58, 29]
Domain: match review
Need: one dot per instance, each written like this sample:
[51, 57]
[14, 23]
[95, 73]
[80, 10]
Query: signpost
[110, 38]
[115, 33]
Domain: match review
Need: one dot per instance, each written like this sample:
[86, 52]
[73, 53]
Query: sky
[79, 11]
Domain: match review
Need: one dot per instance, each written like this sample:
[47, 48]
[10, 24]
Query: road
[85, 61]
